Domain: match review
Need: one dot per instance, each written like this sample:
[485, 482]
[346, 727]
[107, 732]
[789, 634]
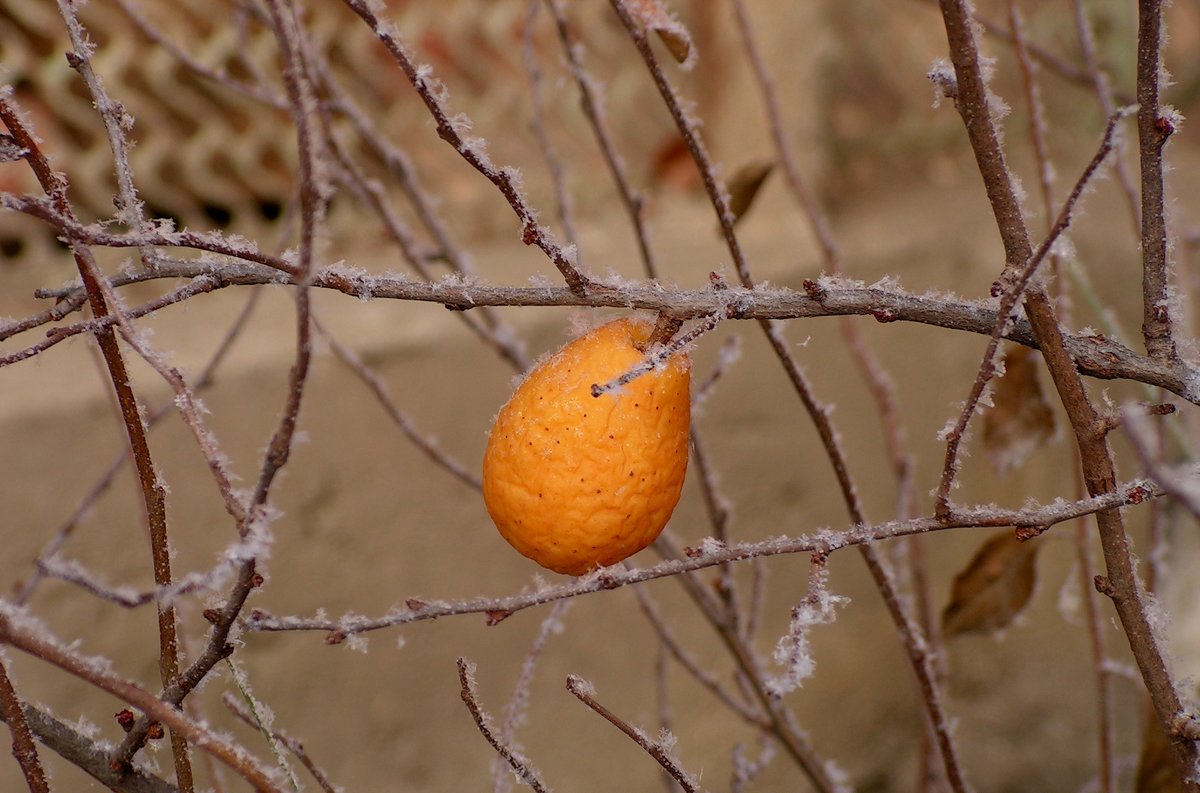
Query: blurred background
[368, 521]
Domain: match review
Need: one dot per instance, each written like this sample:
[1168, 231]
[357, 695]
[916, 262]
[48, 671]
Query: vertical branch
[537, 124]
[520, 764]
[589, 99]
[129, 209]
[1155, 126]
[1121, 583]
[51, 651]
[660, 749]
[505, 179]
[23, 747]
[1104, 95]
[152, 488]
[1087, 564]
[918, 649]
[516, 711]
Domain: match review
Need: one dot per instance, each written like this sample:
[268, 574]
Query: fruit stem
[665, 327]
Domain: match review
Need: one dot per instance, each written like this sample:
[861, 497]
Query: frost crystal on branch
[794, 650]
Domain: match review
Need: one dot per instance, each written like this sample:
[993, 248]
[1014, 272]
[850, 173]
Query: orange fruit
[574, 481]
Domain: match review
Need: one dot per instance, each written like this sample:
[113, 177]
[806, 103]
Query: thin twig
[1155, 125]
[705, 678]
[1017, 280]
[1104, 95]
[153, 490]
[294, 745]
[36, 643]
[23, 747]
[659, 749]
[590, 100]
[84, 507]
[1182, 484]
[260, 719]
[472, 150]
[427, 445]
[516, 711]
[1122, 583]
[537, 125]
[1087, 568]
[497, 609]
[518, 762]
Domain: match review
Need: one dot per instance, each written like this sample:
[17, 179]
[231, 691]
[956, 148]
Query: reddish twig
[590, 100]
[374, 382]
[35, 643]
[472, 150]
[518, 762]
[1155, 126]
[23, 747]
[1017, 280]
[153, 490]
[660, 749]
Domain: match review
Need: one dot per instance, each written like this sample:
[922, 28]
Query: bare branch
[1095, 355]
[505, 179]
[1018, 279]
[35, 643]
[660, 749]
[294, 745]
[519, 763]
[23, 747]
[89, 756]
[1156, 124]
[708, 555]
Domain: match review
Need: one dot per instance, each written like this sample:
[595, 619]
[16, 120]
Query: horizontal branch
[710, 553]
[1095, 355]
[90, 756]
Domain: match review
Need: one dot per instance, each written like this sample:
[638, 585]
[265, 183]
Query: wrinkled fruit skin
[574, 481]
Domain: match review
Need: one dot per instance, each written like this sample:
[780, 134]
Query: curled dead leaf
[994, 588]
[1020, 419]
[745, 184]
[677, 41]
[653, 15]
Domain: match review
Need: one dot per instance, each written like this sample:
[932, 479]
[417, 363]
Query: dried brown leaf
[745, 184]
[994, 588]
[1156, 769]
[672, 166]
[1020, 419]
[653, 15]
[678, 43]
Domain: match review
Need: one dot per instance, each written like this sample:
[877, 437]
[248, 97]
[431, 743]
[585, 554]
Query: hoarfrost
[945, 82]
[794, 650]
